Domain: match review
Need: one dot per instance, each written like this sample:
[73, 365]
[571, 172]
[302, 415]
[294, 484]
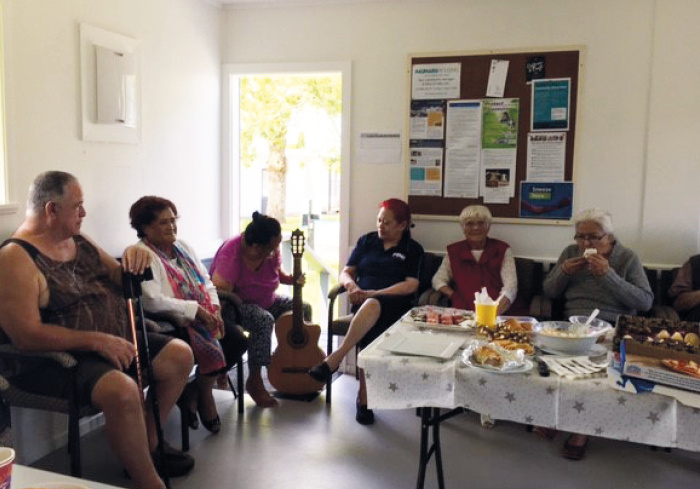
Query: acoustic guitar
[297, 340]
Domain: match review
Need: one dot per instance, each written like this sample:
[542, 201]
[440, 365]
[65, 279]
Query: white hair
[599, 216]
[475, 211]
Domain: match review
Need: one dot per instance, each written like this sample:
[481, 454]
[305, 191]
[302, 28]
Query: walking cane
[131, 286]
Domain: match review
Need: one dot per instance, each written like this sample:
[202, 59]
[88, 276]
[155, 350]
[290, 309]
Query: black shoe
[213, 426]
[322, 372]
[364, 416]
[177, 463]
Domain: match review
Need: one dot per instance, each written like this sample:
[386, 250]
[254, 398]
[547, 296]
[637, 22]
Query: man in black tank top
[59, 291]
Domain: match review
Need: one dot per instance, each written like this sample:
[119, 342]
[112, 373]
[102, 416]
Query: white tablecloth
[24, 477]
[589, 406]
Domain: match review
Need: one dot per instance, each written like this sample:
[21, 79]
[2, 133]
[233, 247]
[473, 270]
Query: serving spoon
[592, 317]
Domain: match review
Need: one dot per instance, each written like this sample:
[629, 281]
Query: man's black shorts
[48, 378]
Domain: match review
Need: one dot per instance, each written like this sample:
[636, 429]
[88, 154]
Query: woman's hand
[598, 264]
[301, 280]
[503, 305]
[213, 322]
[572, 266]
[358, 296]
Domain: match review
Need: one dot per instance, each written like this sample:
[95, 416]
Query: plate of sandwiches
[440, 318]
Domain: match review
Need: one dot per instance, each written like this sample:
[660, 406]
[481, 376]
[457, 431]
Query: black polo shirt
[377, 268]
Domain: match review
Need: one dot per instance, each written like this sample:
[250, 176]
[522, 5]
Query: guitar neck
[297, 301]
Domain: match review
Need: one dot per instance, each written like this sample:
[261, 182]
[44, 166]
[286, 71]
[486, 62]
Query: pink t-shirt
[252, 286]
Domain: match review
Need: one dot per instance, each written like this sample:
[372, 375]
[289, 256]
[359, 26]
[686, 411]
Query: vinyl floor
[312, 445]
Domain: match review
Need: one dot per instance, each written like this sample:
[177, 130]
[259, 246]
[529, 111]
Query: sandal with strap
[574, 452]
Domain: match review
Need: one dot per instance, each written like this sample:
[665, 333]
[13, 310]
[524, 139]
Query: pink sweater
[252, 286]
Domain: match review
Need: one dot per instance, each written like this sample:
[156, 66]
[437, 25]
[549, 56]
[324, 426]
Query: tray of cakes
[511, 333]
[440, 318]
[659, 350]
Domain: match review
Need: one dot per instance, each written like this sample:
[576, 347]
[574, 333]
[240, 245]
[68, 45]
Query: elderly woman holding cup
[477, 262]
[596, 272]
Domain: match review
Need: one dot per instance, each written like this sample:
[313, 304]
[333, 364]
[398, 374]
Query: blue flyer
[543, 200]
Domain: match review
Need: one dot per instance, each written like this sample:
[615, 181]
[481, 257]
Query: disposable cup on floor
[7, 460]
[486, 314]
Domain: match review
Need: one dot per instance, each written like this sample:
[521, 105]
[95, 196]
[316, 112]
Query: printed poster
[425, 176]
[436, 81]
[546, 156]
[546, 200]
[550, 104]
[427, 119]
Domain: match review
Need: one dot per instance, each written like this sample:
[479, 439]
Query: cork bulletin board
[475, 71]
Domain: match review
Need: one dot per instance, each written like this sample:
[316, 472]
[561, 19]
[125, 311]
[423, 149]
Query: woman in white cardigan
[182, 288]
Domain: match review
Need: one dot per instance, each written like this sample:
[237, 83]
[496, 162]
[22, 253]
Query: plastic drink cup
[7, 459]
[486, 314]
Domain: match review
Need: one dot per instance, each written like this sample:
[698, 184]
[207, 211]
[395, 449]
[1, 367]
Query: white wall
[638, 114]
[179, 154]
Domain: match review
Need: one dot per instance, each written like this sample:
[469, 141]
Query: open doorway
[286, 154]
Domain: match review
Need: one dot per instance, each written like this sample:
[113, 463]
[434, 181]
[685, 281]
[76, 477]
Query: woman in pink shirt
[250, 265]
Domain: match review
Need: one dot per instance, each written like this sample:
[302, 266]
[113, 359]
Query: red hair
[399, 208]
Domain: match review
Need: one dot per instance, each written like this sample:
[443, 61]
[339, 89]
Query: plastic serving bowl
[563, 341]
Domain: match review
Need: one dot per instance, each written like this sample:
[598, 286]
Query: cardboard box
[639, 350]
[649, 367]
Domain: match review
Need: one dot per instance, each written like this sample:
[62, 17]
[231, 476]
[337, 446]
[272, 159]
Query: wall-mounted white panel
[110, 69]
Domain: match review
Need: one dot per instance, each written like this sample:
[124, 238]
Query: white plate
[525, 367]
[422, 344]
[464, 327]
[595, 351]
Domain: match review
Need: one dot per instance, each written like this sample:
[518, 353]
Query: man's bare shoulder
[16, 266]
[14, 254]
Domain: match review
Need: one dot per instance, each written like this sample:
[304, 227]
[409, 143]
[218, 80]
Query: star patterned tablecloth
[587, 406]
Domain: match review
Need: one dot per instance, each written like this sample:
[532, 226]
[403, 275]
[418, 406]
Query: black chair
[553, 309]
[339, 326]
[176, 327]
[529, 274]
[14, 362]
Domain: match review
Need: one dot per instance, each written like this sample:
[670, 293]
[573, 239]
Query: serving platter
[525, 367]
[464, 326]
[417, 343]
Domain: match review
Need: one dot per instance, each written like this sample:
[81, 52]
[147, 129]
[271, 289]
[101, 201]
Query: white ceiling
[233, 4]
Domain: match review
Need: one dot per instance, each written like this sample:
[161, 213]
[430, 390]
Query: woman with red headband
[381, 278]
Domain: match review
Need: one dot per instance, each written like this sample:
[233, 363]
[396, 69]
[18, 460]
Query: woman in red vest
[476, 262]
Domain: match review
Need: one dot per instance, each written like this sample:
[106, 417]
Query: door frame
[230, 205]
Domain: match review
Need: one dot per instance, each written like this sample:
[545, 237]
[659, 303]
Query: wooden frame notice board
[474, 79]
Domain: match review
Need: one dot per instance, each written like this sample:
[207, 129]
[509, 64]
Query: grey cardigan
[623, 290]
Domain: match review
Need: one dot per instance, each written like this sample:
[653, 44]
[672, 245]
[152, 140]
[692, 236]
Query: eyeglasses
[475, 224]
[591, 238]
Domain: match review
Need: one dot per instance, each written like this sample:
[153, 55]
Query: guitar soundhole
[297, 338]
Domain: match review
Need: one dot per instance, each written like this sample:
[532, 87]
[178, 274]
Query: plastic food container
[565, 337]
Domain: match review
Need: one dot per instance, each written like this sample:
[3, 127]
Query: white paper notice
[463, 124]
[462, 173]
[546, 153]
[426, 171]
[497, 175]
[378, 148]
[497, 78]
[436, 81]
